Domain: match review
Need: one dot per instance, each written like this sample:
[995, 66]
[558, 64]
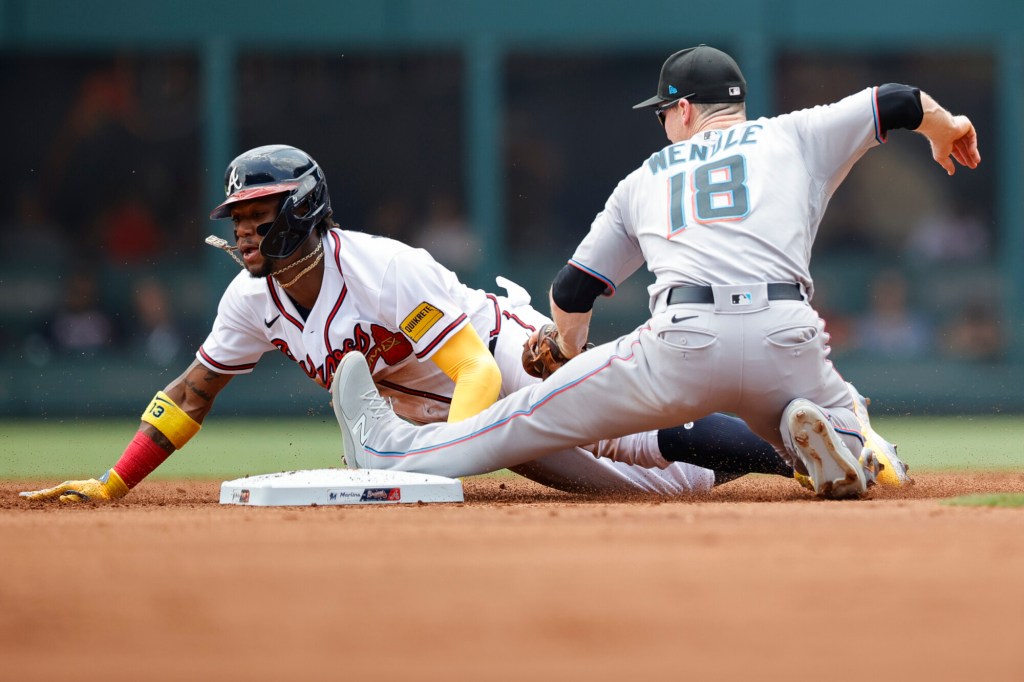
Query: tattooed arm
[196, 388]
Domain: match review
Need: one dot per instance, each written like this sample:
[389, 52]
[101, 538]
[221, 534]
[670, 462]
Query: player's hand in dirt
[105, 489]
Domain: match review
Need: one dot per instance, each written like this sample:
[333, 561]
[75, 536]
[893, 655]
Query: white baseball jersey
[396, 305]
[687, 211]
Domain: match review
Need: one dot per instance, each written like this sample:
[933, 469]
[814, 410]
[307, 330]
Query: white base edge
[332, 487]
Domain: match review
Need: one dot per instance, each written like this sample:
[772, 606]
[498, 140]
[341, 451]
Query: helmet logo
[234, 182]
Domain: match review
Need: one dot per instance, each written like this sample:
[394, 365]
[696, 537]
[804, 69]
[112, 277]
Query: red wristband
[139, 459]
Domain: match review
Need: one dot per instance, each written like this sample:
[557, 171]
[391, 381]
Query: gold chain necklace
[306, 269]
[319, 247]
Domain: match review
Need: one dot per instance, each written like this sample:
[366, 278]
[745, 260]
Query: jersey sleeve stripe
[879, 135]
[213, 364]
[596, 275]
[440, 337]
[497, 317]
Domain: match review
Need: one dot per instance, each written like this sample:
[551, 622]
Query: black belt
[777, 291]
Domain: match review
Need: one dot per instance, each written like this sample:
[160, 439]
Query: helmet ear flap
[300, 213]
[304, 196]
[282, 237]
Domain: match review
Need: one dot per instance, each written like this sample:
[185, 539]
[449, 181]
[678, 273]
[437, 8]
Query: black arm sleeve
[574, 291]
[899, 106]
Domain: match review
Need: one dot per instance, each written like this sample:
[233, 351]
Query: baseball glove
[545, 356]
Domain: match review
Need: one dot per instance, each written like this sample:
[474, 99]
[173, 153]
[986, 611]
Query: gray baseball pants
[687, 361]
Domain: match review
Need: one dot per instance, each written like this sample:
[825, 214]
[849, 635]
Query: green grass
[987, 500]
[231, 448]
[989, 443]
[224, 448]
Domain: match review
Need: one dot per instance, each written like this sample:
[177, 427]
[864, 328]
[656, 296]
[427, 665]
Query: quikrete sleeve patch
[420, 320]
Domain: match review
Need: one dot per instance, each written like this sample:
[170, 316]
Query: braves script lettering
[379, 344]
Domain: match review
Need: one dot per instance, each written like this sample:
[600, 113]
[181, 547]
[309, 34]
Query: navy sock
[724, 444]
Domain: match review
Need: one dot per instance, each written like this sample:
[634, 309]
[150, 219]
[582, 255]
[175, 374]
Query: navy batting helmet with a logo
[278, 169]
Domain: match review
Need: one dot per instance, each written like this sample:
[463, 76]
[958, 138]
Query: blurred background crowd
[102, 252]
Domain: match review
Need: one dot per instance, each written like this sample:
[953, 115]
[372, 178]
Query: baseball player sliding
[436, 348]
[725, 217]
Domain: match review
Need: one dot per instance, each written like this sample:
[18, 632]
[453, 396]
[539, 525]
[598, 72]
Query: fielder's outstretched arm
[572, 295]
[168, 422]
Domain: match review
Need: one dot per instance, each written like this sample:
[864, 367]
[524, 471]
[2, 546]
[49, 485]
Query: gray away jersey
[732, 206]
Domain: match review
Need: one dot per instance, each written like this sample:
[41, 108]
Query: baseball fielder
[725, 217]
[436, 348]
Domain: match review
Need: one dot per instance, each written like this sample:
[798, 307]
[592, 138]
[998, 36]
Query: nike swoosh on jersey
[676, 318]
[271, 322]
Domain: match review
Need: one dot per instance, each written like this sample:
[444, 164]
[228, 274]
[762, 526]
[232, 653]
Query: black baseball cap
[700, 74]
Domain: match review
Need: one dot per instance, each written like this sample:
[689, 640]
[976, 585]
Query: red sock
[139, 460]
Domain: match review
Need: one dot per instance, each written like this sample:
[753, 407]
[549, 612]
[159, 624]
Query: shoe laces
[377, 405]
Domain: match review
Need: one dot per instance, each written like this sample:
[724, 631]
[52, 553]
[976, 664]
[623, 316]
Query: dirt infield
[755, 581]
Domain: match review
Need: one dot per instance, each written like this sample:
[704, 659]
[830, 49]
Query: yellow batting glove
[104, 489]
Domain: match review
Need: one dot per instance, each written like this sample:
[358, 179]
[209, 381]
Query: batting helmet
[278, 169]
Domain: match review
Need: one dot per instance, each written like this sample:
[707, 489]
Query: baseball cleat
[833, 471]
[359, 407]
[891, 471]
